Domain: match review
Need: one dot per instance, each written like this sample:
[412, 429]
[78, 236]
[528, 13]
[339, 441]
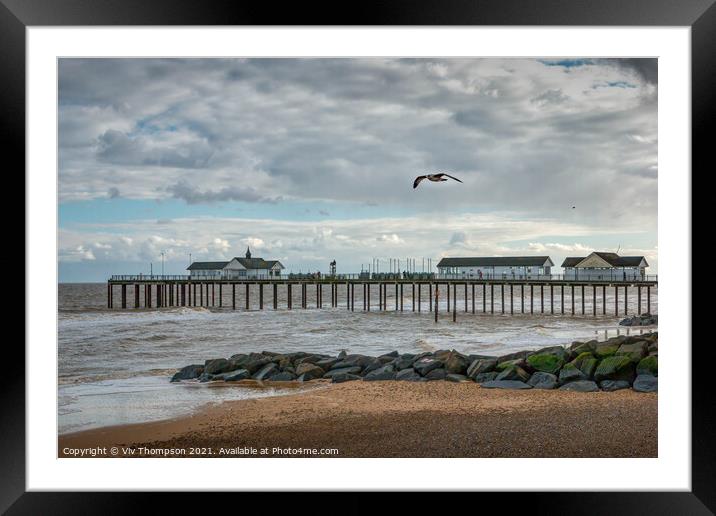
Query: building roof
[612, 259]
[202, 266]
[496, 261]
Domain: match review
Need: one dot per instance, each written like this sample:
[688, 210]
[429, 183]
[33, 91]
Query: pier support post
[368, 296]
[419, 293]
[401, 297]
[261, 296]
[638, 299]
[349, 289]
[572, 299]
[502, 297]
[616, 300]
[561, 294]
[541, 299]
[522, 298]
[221, 294]
[396, 297]
[473, 299]
[193, 297]
[447, 286]
[275, 296]
[289, 297]
[454, 303]
[124, 295]
[604, 300]
[201, 294]
[436, 302]
[484, 298]
[512, 311]
[247, 296]
[160, 301]
[594, 300]
[109, 295]
[492, 298]
[648, 299]
[136, 296]
[213, 290]
[625, 299]
[233, 296]
[412, 299]
[551, 299]
[582, 299]
[353, 299]
[532, 299]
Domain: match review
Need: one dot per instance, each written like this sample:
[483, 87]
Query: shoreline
[396, 419]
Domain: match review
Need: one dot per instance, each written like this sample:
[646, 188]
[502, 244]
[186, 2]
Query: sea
[114, 365]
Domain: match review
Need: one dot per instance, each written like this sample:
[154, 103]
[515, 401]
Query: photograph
[358, 257]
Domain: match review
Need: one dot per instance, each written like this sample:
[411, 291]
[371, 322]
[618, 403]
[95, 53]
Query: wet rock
[309, 371]
[408, 375]
[188, 372]
[355, 370]
[546, 362]
[354, 361]
[373, 366]
[344, 377]
[505, 384]
[542, 380]
[253, 364]
[309, 359]
[481, 366]
[485, 377]
[391, 355]
[424, 365]
[635, 351]
[342, 354]
[436, 374]
[648, 365]
[571, 373]
[454, 377]
[606, 348]
[405, 361]
[513, 373]
[580, 386]
[516, 362]
[266, 372]
[217, 365]
[586, 363]
[614, 385]
[615, 368]
[558, 351]
[327, 363]
[387, 372]
[646, 383]
[455, 363]
[512, 356]
[235, 376]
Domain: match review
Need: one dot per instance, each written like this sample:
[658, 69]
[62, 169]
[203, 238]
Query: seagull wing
[417, 181]
[451, 177]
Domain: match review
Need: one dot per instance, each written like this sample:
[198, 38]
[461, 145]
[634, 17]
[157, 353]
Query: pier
[466, 295]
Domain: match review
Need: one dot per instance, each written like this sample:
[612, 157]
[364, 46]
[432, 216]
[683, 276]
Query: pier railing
[386, 276]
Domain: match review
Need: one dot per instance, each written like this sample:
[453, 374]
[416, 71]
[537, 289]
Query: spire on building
[248, 253]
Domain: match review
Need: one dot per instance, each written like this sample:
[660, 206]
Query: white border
[670, 471]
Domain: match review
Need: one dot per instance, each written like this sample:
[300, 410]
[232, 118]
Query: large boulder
[283, 376]
[515, 362]
[481, 366]
[558, 351]
[373, 366]
[646, 383]
[546, 362]
[426, 364]
[542, 380]
[235, 376]
[485, 377]
[309, 359]
[344, 377]
[354, 361]
[355, 370]
[586, 363]
[266, 372]
[648, 365]
[613, 385]
[512, 356]
[455, 363]
[606, 348]
[405, 361]
[513, 373]
[254, 363]
[309, 371]
[408, 375]
[188, 372]
[505, 384]
[217, 366]
[635, 351]
[436, 374]
[390, 356]
[615, 368]
[387, 372]
[327, 363]
[571, 373]
[580, 386]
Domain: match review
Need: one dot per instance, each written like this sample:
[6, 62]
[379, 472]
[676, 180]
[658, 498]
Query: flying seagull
[434, 177]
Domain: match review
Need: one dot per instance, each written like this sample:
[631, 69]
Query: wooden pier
[180, 291]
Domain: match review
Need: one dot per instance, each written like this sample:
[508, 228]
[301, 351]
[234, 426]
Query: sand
[397, 419]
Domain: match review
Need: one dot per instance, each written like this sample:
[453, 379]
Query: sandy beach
[396, 419]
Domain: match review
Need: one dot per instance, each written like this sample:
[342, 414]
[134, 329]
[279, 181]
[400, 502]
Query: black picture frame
[16, 15]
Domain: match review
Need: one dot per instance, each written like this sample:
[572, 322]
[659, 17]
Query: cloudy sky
[310, 160]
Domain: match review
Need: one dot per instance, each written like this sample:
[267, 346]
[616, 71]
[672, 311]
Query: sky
[311, 160]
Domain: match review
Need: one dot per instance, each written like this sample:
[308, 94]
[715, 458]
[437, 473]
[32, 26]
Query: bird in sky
[434, 177]
[573, 207]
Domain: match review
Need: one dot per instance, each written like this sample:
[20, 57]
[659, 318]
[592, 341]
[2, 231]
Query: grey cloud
[192, 195]
[113, 192]
[550, 97]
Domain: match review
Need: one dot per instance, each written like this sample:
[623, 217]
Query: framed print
[418, 249]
